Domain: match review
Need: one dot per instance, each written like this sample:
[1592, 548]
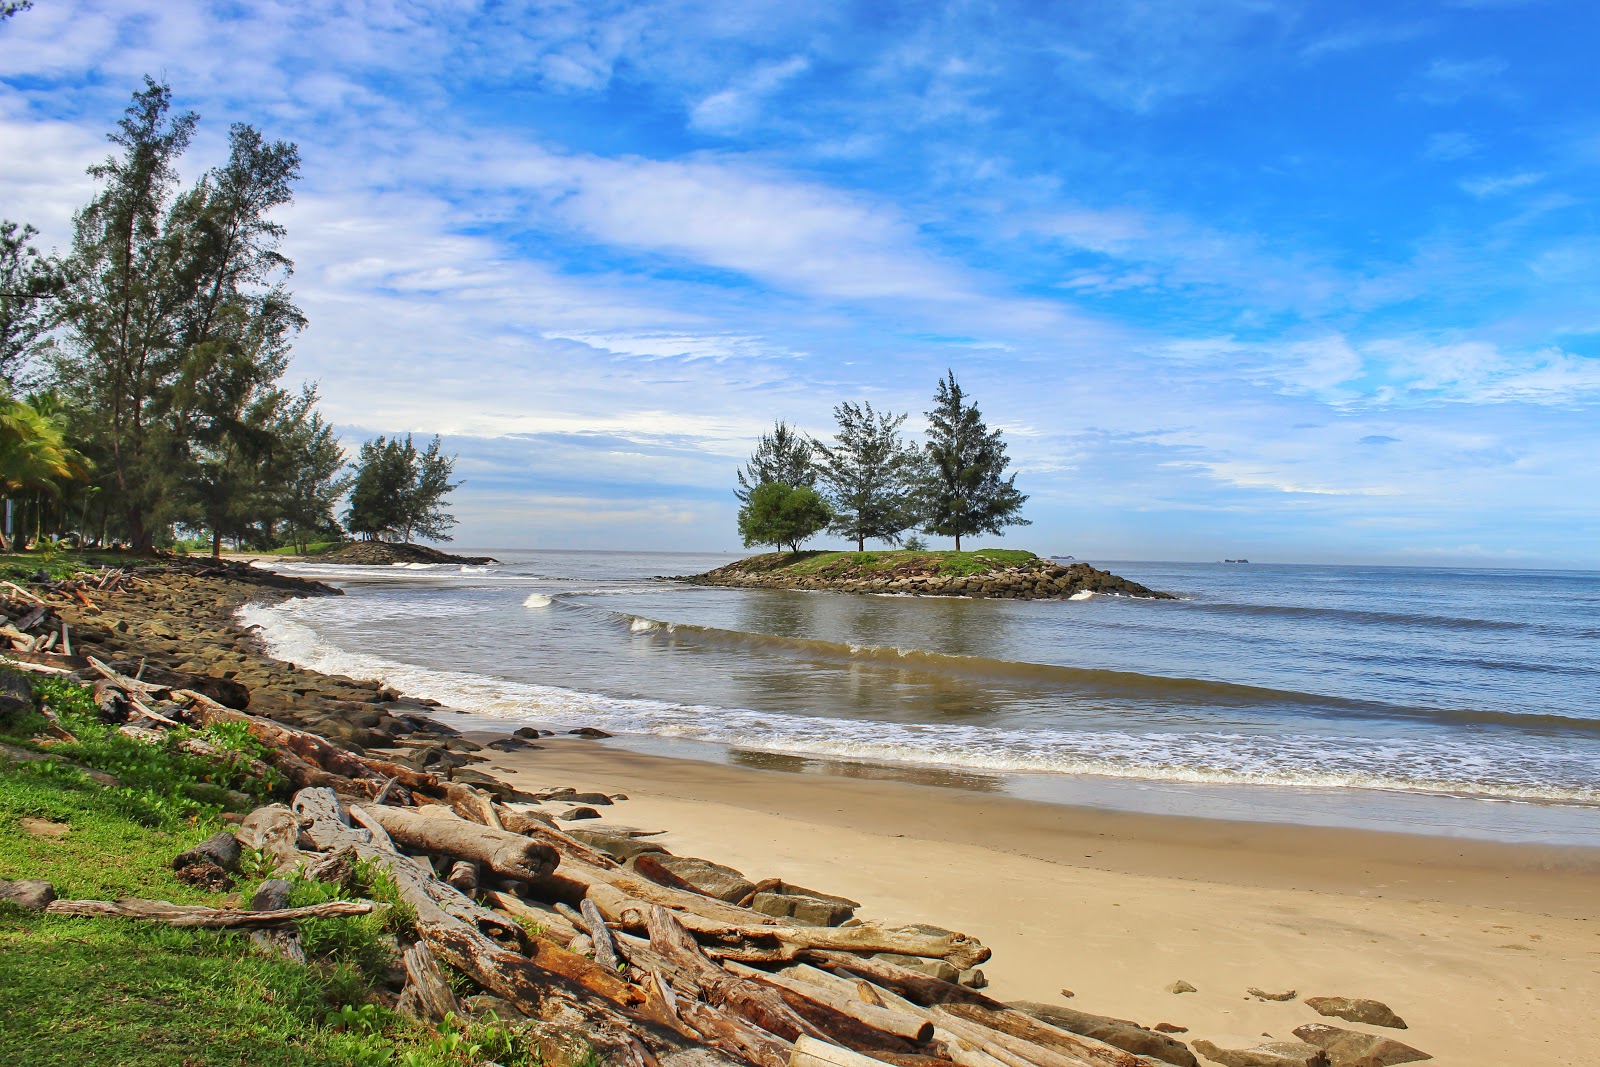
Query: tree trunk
[958, 542]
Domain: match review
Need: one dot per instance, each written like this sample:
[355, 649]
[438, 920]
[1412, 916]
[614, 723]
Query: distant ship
[1236, 561]
[1063, 557]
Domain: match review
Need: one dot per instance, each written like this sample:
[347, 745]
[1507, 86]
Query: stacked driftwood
[641, 962]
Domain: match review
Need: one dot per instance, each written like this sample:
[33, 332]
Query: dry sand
[1490, 952]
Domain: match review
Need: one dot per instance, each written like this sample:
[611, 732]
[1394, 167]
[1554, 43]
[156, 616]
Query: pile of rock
[1036, 579]
[388, 553]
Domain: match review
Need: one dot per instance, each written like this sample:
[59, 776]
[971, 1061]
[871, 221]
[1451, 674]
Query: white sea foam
[1082, 594]
[538, 600]
[1452, 767]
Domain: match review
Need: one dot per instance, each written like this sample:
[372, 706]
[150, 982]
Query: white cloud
[1500, 184]
[735, 107]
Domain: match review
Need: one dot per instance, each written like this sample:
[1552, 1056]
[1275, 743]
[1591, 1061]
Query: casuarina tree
[966, 490]
[784, 456]
[869, 475]
[777, 514]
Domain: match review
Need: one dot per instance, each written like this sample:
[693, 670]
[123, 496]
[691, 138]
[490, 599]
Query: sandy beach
[1490, 952]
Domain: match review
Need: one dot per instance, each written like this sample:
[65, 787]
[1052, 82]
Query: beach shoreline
[1482, 947]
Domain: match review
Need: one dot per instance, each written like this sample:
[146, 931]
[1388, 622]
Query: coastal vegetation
[875, 485]
[142, 393]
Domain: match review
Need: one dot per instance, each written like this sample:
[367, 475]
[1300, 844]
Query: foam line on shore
[1409, 765]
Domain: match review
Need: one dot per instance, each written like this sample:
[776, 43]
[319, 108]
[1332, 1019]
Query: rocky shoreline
[775, 963]
[389, 553]
[1034, 579]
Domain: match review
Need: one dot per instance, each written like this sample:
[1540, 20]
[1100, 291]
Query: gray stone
[1128, 1036]
[31, 893]
[1180, 986]
[590, 798]
[973, 978]
[713, 879]
[16, 695]
[1357, 1010]
[1272, 1054]
[578, 813]
[272, 896]
[589, 732]
[1351, 1048]
[808, 911]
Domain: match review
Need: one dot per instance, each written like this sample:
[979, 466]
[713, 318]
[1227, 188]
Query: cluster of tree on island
[872, 484]
[140, 372]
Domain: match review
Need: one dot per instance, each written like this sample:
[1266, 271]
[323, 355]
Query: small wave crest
[1530, 772]
[538, 600]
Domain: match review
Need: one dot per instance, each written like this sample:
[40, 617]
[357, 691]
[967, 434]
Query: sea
[1431, 700]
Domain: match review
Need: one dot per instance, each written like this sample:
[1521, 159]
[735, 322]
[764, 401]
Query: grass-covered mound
[986, 572]
[386, 553]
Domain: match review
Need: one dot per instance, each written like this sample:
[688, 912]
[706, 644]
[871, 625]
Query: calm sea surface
[1439, 700]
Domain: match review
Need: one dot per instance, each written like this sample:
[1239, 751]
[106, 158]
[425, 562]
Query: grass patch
[895, 561]
[315, 548]
[121, 993]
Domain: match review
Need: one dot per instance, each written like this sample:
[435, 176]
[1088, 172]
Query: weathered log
[696, 974]
[913, 1028]
[499, 850]
[188, 915]
[431, 994]
[1018, 1027]
[463, 875]
[605, 949]
[324, 821]
[552, 924]
[913, 991]
[809, 1052]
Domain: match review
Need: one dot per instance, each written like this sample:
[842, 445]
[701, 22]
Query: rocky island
[995, 573]
[388, 553]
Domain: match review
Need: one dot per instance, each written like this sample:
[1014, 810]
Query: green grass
[870, 564]
[120, 993]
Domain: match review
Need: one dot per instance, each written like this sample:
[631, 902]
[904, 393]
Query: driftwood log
[194, 915]
[500, 851]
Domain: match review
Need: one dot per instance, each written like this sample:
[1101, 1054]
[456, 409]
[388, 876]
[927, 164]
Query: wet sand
[1491, 952]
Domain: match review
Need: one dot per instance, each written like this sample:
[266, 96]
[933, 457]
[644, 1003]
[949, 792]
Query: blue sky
[1293, 281]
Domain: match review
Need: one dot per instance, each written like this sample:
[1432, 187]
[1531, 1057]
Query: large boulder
[16, 695]
[35, 894]
[713, 879]
[1357, 1010]
[1351, 1048]
[1128, 1036]
[1271, 1054]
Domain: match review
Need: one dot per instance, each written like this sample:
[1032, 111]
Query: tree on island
[965, 491]
[783, 457]
[777, 514]
[869, 475]
[399, 491]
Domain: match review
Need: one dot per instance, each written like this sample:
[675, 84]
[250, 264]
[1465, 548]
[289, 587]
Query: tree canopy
[398, 491]
[870, 476]
[965, 491]
[785, 457]
[778, 514]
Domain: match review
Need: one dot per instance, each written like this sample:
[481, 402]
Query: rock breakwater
[925, 574]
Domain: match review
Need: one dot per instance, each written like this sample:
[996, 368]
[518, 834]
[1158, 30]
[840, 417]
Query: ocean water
[1429, 699]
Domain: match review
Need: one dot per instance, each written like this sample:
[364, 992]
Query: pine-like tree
[966, 491]
[778, 515]
[29, 281]
[784, 456]
[869, 475]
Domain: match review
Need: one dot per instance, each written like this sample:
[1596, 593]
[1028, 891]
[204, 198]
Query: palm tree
[34, 454]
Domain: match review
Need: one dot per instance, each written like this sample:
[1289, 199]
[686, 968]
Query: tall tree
[425, 500]
[178, 323]
[34, 456]
[966, 491]
[869, 475]
[785, 456]
[28, 282]
[315, 476]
